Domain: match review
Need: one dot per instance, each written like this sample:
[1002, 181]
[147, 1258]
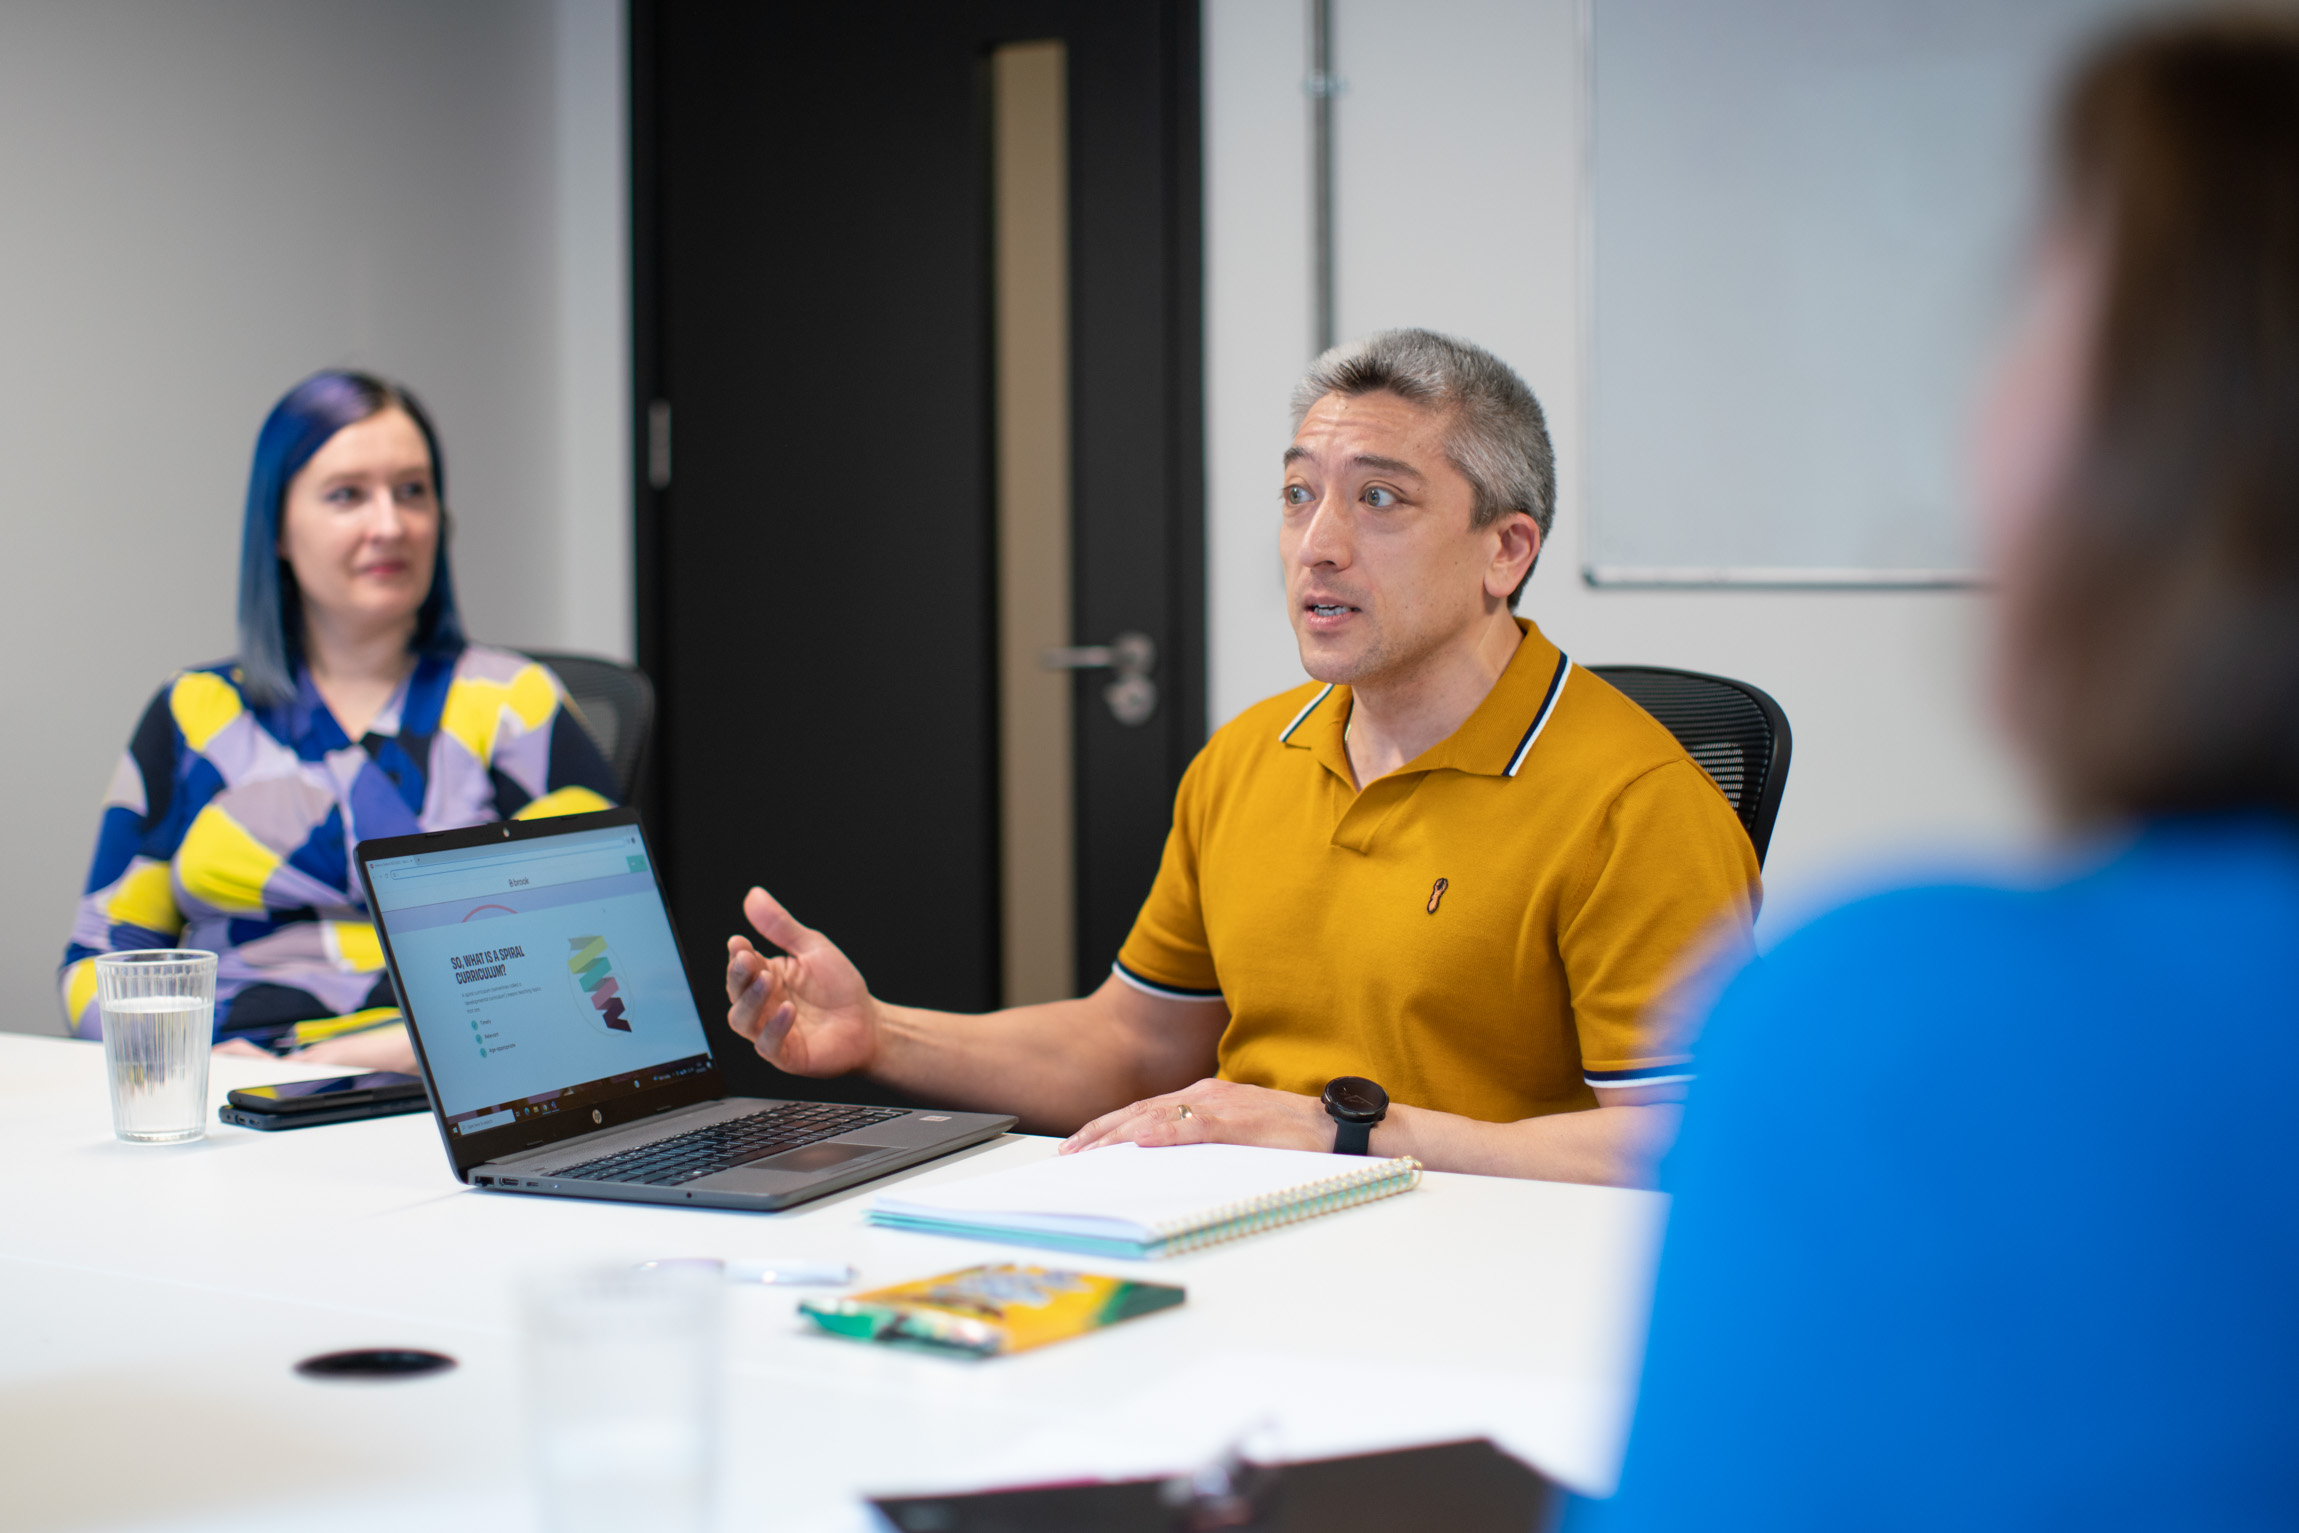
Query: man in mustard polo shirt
[1455, 866]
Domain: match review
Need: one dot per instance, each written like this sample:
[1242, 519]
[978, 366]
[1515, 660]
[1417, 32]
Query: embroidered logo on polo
[1437, 892]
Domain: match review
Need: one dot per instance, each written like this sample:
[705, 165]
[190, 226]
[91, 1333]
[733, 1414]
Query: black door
[816, 533]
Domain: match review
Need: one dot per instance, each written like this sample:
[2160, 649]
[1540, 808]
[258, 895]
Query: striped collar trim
[1471, 749]
[1286, 733]
[1548, 710]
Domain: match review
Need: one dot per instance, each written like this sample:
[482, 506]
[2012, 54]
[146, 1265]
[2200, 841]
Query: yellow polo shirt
[1485, 931]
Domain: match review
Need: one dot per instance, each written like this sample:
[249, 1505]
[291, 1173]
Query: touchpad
[815, 1157]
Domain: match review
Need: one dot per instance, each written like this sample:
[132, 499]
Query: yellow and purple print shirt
[229, 828]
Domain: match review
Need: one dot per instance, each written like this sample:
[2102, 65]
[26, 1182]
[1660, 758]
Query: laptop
[561, 1045]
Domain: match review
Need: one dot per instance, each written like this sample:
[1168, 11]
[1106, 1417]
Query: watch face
[1353, 1096]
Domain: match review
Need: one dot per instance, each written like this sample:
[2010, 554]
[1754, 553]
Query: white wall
[202, 201]
[1457, 207]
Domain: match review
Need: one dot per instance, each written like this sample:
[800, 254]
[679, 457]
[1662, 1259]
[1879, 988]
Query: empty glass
[159, 1007]
[623, 1383]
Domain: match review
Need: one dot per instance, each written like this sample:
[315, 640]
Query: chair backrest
[1735, 731]
[616, 704]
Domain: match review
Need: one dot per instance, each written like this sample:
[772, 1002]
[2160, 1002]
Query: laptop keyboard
[722, 1146]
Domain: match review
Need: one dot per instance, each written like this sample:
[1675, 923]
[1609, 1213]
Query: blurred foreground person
[355, 708]
[1985, 1203]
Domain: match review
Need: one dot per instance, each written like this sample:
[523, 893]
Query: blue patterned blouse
[229, 828]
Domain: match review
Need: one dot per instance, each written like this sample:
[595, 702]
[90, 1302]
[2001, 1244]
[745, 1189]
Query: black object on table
[1463, 1487]
[375, 1363]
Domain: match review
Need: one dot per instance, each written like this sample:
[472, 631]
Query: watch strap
[1352, 1138]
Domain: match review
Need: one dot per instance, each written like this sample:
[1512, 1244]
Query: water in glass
[159, 1019]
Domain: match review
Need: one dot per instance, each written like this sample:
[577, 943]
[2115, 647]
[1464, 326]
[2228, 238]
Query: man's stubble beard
[1387, 654]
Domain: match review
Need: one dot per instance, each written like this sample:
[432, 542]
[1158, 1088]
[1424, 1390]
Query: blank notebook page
[1124, 1191]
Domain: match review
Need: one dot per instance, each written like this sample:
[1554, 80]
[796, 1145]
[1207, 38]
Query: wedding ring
[1182, 1111]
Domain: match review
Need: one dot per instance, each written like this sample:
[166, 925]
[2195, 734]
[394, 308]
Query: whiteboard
[1804, 222]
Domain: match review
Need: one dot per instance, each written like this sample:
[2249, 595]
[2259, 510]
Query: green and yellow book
[989, 1311]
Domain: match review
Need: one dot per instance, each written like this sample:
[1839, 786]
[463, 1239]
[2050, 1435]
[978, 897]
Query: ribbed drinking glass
[623, 1383]
[159, 1007]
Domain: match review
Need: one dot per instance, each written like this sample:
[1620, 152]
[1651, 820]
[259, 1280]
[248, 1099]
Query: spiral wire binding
[1253, 1215]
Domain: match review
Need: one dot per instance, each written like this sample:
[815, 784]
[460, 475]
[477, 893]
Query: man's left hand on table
[1212, 1112]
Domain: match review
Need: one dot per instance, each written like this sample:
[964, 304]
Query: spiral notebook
[1131, 1203]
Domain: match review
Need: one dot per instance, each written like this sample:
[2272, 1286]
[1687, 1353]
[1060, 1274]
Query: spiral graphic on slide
[593, 968]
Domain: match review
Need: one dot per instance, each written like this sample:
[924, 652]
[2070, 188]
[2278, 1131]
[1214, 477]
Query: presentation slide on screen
[537, 966]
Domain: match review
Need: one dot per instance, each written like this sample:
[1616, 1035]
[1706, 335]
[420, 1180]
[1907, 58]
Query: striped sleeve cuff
[1166, 992]
[1643, 1075]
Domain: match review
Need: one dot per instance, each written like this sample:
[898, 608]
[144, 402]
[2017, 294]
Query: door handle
[1131, 695]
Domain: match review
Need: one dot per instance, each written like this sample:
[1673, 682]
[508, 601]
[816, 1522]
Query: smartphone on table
[335, 1099]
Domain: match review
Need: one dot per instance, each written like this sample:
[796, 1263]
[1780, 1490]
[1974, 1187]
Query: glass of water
[159, 1007]
[623, 1395]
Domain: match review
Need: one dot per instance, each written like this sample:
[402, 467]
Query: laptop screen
[540, 974]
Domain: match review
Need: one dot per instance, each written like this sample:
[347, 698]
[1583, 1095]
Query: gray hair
[1497, 436]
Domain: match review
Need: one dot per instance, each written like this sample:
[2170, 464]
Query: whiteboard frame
[1782, 577]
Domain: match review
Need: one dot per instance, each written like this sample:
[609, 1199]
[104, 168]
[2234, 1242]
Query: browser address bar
[510, 859]
[441, 882]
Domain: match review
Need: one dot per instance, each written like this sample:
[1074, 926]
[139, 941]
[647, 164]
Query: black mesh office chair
[616, 703]
[1735, 731]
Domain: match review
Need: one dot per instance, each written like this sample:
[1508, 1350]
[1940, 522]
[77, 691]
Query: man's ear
[1519, 544]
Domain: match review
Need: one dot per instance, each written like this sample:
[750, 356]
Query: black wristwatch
[1355, 1104]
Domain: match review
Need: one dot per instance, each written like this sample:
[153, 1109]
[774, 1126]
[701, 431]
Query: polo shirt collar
[1492, 742]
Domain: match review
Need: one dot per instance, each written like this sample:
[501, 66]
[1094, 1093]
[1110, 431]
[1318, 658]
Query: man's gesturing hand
[808, 1011]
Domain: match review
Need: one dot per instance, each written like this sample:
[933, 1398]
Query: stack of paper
[1128, 1202]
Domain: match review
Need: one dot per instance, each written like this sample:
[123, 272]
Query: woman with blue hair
[356, 708]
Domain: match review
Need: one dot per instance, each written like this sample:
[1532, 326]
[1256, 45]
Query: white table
[154, 1298]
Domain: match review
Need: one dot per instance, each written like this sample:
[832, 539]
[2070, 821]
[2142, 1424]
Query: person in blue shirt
[1986, 1206]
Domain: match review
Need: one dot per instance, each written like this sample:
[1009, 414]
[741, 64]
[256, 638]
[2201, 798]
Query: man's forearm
[1054, 1066]
[1608, 1146]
